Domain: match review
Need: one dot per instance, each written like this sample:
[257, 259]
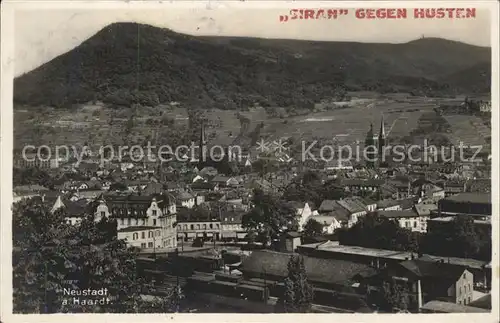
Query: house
[303, 212]
[225, 181]
[431, 280]
[407, 219]
[425, 209]
[334, 209]
[362, 186]
[329, 223]
[370, 205]
[454, 187]
[185, 199]
[388, 205]
[157, 211]
[402, 187]
[141, 236]
[355, 207]
[28, 191]
[431, 190]
[204, 186]
[231, 225]
[74, 211]
[191, 226]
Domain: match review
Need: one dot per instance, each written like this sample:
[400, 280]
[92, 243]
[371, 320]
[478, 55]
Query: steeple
[381, 133]
[381, 140]
[57, 205]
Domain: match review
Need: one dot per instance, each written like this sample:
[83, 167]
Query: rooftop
[483, 198]
[138, 228]
[390, 254]
[398, 214]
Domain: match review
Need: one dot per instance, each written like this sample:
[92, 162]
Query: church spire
[382, 128]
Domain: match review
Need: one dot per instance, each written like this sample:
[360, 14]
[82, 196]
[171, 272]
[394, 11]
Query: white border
[6, 142]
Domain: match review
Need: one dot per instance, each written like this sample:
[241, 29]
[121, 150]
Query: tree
[394, 296]
[465, 236]
[118, 187]
[374, 231]
[313, 228]
[269, 217]
[50, 256]
[298, 294]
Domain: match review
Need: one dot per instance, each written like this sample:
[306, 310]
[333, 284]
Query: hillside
[120, 68]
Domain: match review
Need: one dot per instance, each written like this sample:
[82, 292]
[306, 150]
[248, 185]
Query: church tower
[381, 138]
[370, 148]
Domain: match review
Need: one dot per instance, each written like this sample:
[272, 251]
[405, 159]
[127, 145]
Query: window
[192, 226]
[150, 245]
[198, 226]
[185, 226]
[157, 233]
[143, 235]
[136, 221]
[143, 245]
[103, 214]
[150, 234]
[211, 226]
[204, 226]
[415, 224]
[217, 225]
[123, 221]
[460, 291]
[154, 212]
[154, 221]
[129, 221]
[468, 300]
[135, 236]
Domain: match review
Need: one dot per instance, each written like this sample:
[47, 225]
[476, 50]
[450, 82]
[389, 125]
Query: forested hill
[118, 67]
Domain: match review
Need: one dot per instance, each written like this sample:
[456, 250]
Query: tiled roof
[425, 209]
[428, 269]
[398, 214]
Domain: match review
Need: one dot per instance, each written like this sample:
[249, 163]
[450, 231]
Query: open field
[99, 125]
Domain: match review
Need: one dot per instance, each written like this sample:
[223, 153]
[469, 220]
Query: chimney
[419, 294]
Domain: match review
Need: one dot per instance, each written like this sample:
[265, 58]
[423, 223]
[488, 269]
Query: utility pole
[178, 288]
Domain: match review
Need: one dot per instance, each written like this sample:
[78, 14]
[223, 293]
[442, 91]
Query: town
[368, 236]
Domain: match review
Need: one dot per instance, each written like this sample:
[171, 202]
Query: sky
[43, 34]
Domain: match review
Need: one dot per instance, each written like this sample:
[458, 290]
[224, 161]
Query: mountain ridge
[119, 68]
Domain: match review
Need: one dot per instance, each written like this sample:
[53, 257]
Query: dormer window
[154, 212]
